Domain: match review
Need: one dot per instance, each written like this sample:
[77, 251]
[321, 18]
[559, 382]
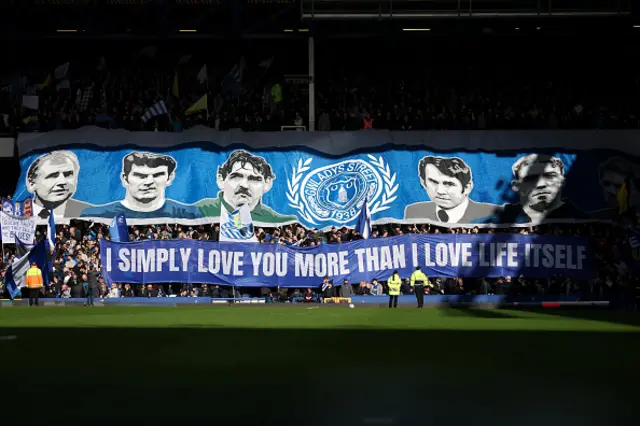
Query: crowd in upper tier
[385, 86]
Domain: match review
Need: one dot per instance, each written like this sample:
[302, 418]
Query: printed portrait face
[538, 183]
[244, 184]
[611, 182]
[54, 178]
[145, 183]
[444, 190]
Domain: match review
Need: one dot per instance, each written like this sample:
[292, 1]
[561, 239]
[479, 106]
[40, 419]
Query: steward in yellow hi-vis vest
[394, 283]
[34, 283]
[418, 281]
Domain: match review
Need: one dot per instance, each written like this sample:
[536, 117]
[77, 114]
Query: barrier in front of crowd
[138, 301]
[543, 301]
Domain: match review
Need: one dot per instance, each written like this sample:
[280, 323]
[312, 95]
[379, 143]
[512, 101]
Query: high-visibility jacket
[34, 277]
[276, 93]
[419, 278]
[394, 283]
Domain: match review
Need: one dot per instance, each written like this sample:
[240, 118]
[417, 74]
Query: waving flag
[159, 108]
[237, 226]
[233, 81]
[22, 248]
[118, 229]
[51, 233]
[17, 272]
[363, 225]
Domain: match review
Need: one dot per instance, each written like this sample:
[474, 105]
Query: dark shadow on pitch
[602, 314]
[454, 310]
[320, 377]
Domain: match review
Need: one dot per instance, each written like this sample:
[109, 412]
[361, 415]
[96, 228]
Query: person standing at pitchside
[418, 281]
[34, 283]
[394, 283]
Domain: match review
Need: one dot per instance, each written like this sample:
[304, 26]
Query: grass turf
[288, 365]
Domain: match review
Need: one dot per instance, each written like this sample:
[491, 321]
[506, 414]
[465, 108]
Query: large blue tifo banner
[254, 264]
[322, 179]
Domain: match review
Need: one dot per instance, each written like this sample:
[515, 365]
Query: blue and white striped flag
[363, 225]
[237, 226]
[16, 274]
[159, 108]
[22, 248]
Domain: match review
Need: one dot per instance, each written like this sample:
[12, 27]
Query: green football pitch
[320, 366]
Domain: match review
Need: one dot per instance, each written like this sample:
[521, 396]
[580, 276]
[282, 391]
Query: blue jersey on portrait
[169, 209]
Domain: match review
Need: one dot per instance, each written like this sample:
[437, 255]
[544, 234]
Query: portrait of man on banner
[145, 177]
[612, 174]
[448, 182]
[243, 179]
[53, 178]
[538, 180]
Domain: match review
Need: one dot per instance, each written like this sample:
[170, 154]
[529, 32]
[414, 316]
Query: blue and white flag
[118, 229]
[159, 108]
[17, 272]
[51, 233]
[22, 248]
[233, 81]
[634, 237]
[237, 226]
[61, 74]
[363, 225]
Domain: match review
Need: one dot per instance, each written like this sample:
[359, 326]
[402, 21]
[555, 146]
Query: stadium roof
[219, 19]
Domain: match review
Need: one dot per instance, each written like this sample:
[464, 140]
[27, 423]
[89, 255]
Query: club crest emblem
[335, 193]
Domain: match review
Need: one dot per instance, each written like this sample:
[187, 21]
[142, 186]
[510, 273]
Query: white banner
[22, 227]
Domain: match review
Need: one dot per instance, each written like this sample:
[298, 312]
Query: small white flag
[202, 75]
[61, 71]
[184, 59]
[267, 63]
[31, 102]
[64, 84]
[149, 51]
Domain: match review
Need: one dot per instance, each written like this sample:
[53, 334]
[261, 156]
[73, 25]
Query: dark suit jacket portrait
[72, 208]
[427, 210]
[514, 213]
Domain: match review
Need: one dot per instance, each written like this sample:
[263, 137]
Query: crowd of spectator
[468, 85]
[353, 91]
[77, 256]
